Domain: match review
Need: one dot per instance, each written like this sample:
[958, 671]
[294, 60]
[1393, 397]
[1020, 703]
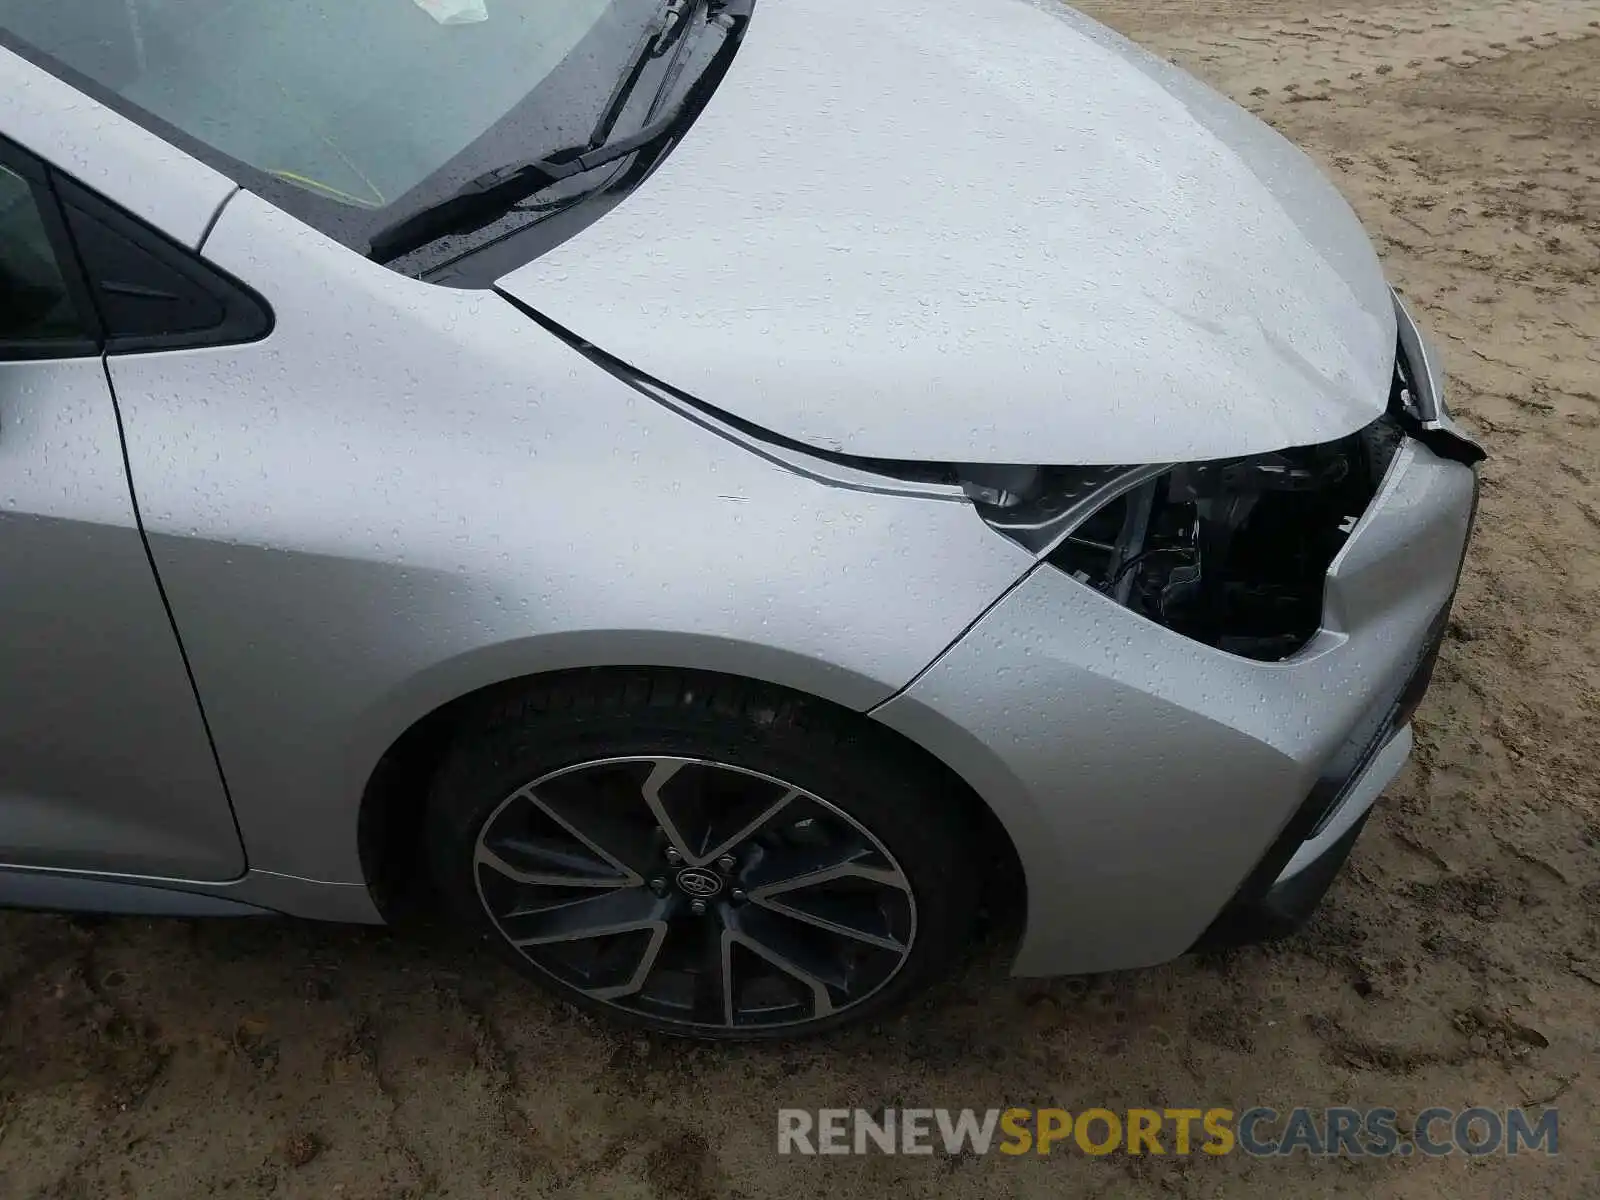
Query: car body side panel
[108, 153]
[1142, 775]
[407, 492]
[104, 760]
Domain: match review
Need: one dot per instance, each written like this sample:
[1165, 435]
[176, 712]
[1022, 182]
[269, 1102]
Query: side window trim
[48, 205]
[131, 267]
[124, 277]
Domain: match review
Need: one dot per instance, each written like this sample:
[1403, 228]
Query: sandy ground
[1456, 962]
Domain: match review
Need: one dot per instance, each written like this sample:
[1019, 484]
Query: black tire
[890, 814]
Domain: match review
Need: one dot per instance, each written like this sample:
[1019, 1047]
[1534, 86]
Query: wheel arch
[390, 816]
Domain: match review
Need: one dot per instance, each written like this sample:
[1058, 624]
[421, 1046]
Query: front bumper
[1142, 776]
[1296, 871]
[1291, 878]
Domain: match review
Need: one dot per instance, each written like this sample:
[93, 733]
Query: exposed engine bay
[1232, 553]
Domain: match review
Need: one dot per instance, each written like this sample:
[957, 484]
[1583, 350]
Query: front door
[105, 763]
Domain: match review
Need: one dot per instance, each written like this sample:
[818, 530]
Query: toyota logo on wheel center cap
[699, 883]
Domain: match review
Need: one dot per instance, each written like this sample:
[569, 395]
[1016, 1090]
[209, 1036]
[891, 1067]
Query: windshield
[339, 109]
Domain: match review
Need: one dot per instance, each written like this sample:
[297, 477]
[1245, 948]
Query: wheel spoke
[705, 810]
[766, 939]
[600, 809]
[750, 828]
[485, 857]
[824, 864]
[713, 982]
[618, 911]
[835, 925]
[660, 774]
[641, 971]
[725, 944]
[553, 812]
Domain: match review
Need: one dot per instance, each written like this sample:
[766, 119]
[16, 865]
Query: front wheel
[701, 856]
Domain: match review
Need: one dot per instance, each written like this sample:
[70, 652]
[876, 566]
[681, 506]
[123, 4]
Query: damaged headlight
[1231, 553]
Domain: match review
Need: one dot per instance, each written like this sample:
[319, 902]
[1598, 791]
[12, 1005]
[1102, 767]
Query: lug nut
[658, 886]
[726, 863]
[697, 907]
[673, 856]
[737, 895]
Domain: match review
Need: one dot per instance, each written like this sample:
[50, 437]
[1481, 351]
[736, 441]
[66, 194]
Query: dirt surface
[1456, 962]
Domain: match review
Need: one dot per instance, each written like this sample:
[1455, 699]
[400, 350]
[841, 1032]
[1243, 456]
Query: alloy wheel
[695, 893]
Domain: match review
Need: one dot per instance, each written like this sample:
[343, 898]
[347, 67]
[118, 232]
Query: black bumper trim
[1262, 909]
[1285, 907]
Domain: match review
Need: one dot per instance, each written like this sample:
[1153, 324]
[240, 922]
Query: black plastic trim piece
[899, 469]
[1250, 916]
[1422, 422]
[151, 293]
[1440, 440]
[1284, 908]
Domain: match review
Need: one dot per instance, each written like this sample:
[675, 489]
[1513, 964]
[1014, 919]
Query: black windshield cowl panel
[494, 194]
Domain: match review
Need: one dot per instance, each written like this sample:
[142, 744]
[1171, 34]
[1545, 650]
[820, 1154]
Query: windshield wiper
[489, 196]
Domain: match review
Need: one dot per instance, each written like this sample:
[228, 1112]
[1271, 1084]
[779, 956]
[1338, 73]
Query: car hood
[983, 231]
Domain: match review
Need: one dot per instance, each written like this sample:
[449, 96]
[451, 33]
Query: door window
[38, 316]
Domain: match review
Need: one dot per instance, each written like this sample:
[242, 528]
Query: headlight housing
[1232, 553]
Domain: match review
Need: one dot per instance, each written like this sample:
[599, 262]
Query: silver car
[726, 497]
